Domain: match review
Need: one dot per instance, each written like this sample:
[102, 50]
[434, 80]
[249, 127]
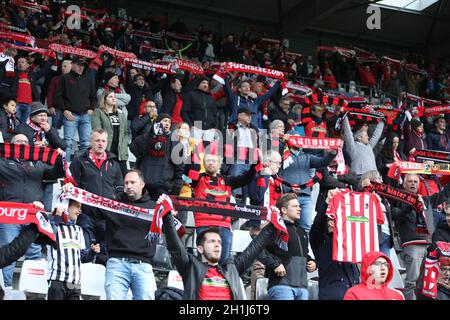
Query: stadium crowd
[138, 109]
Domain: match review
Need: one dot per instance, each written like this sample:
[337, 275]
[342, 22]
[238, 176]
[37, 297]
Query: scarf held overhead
[30, 153]
[405, 197]
[93, 200]
[219, 208]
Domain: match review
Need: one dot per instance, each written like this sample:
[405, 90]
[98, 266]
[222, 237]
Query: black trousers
[59, 290]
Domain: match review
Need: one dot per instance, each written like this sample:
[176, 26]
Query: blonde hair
[102, 104]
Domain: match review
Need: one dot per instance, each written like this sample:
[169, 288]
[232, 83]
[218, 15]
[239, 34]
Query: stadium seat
[33, 276]
[241, 240]
[313, 289]
[11, 294]
[261, 289]
[174, 280]
[2, 284]
[161, 260]
[243, 288]
[93, 280]
[395, 261]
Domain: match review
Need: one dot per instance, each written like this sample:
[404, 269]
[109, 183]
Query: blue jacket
[334, 277]
[435, 140]
[237, 101]
[298, 172]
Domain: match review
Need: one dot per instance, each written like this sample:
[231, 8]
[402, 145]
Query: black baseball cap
[246, 110]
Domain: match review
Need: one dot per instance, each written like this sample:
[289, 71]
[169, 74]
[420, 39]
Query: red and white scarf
[39, 133]
[321, 144]
[20, 213]
[72, 50]
[98, 162]
[239, 67]
[93, 200]
[19, 37]
[150, 66]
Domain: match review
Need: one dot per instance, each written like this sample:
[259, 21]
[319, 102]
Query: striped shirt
[64, 263]
[355, 232]
[214, 286]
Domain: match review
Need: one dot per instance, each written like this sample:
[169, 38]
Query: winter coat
[100, 119]
[199, 106]
[104, 181]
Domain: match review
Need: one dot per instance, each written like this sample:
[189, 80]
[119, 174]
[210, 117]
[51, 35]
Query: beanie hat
[161, 117]
[108, 75]
[415, 123]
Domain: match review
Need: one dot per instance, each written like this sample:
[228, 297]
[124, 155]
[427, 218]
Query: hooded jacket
[368, 290]
[199, 106]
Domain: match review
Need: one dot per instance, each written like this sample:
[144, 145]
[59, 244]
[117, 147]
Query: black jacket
[405, 216]
[141, 125]
[137, 94]
[334, 277]
[382, 161]
[276, 113]
[273, 256]
[21, 181]
[125, 236]
[75, 93]
[167, 93]
[442, 233]
[18, 246]
[4, 124]
[103, 182]
[193, 271]
[52, 136]
[158, 171]
[199, 106]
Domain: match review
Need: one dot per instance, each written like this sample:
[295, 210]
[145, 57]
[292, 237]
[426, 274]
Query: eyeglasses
[379, 264]
[445, 270]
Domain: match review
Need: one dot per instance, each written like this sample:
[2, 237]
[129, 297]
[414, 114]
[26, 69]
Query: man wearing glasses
[377, 272]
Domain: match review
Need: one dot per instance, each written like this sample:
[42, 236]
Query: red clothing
[176, 113]
[214, 286]
[367, 78]
[432, 184]
[212, 188]
[51, 91]
[275, 192]
[24, 92]
[315, 130]
[371, 291]
[330, 81]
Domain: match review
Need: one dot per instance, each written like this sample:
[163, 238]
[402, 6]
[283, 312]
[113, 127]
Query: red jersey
[356, 215]
[24, 92]
[212, 188]
[214, 286]
[315, 130]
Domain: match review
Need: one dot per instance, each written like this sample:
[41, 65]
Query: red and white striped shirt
[356, 215]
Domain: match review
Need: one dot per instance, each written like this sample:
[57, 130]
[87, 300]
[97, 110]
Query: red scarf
[30, 153]
[39, 133]
[72, 50]
[98, 162]
[19, 37]
[233, 66]
[20, 213]
[434, 260]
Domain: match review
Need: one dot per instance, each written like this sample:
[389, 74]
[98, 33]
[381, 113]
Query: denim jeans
[57, 119]
[226, 236]
[282, 292]
[23, 112]
[82, 123]
[8, 232]
[306, 215]
[123, 275]
[385, 244]
[237, 170]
